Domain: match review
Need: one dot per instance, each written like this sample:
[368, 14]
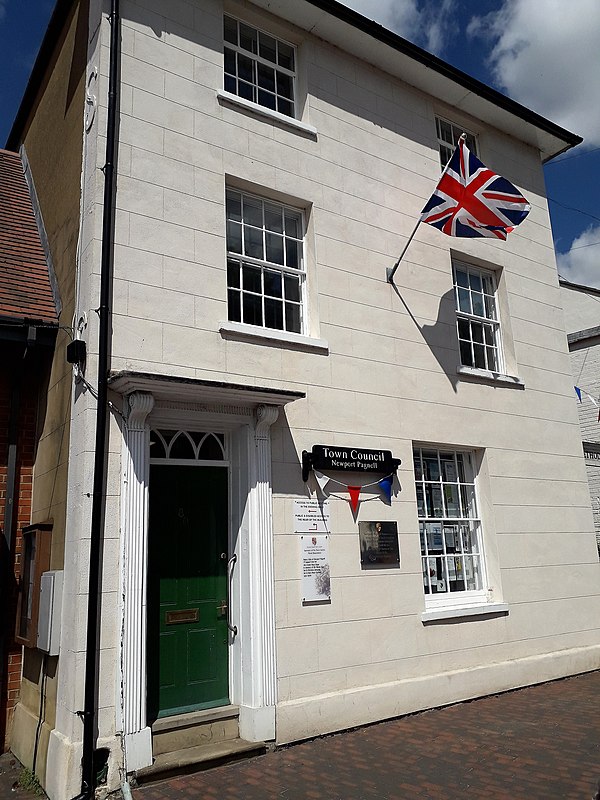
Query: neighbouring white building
[272, 159]
[581, 305]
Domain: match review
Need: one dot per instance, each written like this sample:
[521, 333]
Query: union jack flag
[471, 201]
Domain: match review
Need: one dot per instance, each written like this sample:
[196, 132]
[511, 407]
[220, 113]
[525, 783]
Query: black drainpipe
[88, 777]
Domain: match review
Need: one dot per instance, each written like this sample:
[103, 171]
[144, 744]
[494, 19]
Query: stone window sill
[457, 612]
[232, 100]
[252, 333]
[485, 376]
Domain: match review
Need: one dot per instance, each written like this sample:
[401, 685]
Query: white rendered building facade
[272, 160]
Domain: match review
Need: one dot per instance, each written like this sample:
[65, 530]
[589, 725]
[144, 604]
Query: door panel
[187, 583]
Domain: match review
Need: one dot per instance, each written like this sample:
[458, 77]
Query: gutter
[401, 45]
[89, 713]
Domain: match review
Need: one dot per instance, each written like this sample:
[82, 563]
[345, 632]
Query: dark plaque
[348, 459]
[378, 543]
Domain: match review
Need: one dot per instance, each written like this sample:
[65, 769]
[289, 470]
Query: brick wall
[10, 652]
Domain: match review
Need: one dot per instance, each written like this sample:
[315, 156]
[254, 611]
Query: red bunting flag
[354, 497]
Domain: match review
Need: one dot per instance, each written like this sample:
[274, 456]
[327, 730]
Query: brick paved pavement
[538, 743]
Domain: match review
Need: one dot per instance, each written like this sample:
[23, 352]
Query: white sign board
[311, 516]
[316, 579]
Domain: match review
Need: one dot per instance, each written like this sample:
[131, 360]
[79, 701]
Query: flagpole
[391, 272]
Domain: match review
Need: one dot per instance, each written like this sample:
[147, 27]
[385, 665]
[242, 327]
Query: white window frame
[231, 83]
[267, 267]
[442, 545]
[468, 303]
[448, 139]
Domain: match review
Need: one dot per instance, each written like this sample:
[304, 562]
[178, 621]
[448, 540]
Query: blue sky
[543, 53]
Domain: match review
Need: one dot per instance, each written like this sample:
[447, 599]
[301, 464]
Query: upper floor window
[265, 263]
[477, 318]
[449, 524]
[259, 67]
[448, 135]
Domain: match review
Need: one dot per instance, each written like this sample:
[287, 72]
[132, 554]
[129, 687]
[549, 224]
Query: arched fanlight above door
[171, 445]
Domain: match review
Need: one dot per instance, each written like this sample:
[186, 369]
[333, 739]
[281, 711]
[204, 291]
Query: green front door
[187, 665]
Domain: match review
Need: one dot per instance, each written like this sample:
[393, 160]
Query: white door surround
[252, 656]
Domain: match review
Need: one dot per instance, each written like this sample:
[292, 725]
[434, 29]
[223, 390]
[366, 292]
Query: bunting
[385, 484]
[354, 497]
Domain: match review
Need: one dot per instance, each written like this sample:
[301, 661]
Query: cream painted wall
[389, 378]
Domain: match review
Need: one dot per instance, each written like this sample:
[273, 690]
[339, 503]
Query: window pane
[273, 218]
[285, 107]
[284, 85]
[478, 307]
[479, 356]
[292, 317]
[273, 313]
[430, 464]
[463, 329]
[291, 253]
[230, 61]
[477, 332]
[252, 279]
[253, 242]
[234, 312]
[488, 332]
[230, 84]
[252, 309]
[233, 274]
[267, 48]
[417, 465]
[234, 237]
[253, 211]
[490, 307]
[475, 282]
[420, 501]
[472, 573]
[462, 279]
[292, 288]
[467, 500]
[285, 56]
[448, 467]
[233, 205]
[182, 447]
[488, 284]
[274, 248]
[446, 132]
[464, 300]
[461, 467]
[267, 99]
[452, 500]
[266, 77]
[466, 358]
[292, 224]
[248, 37]
[246, 90]
[492, 360]
[272, 283]
[433, 497]
[230, 30]
[245, 68]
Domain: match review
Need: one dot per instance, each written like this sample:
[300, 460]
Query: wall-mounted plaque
[348, 459]
[378, 543]
[311, 516]
[316, 579]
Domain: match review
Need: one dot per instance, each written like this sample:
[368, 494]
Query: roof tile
[25, 291]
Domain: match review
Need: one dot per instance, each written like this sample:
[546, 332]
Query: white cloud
[544, 53]
[581, 264]
[428, 23]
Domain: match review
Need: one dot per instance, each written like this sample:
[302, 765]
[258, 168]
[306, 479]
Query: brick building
[28, 323]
